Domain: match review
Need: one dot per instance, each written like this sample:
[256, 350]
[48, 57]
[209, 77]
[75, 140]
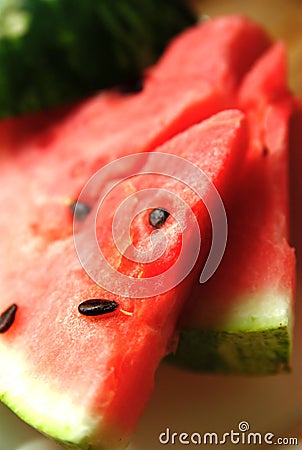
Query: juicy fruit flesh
[131, 344]
[65, 138]
[231, 39]
[254, 294]
[58, 254]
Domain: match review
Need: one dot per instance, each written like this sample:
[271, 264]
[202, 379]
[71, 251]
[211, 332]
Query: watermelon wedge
[74, 392]
[241, 320]
[82, 380]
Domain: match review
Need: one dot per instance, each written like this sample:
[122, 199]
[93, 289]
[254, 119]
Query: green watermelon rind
[249, 341]
[31, 400]
[222, 352]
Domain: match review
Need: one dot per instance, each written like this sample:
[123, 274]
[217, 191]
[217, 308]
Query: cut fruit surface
[240, 321]
[84, 381]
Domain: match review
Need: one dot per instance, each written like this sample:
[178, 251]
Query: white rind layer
[261, 311]
[51, 412]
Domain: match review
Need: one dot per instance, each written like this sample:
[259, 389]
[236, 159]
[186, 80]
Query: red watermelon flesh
[165, 107]
[224, 49]
[241, 319]
[85, 380]
[172, 100]
[78, 140]
[46, 197]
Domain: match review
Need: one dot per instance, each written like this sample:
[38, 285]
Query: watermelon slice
[39, 268]
[82, 380]
[241, 320]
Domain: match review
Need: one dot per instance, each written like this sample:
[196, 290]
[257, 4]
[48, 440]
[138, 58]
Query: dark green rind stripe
[53, 52]
[71, 446]
[261, 352]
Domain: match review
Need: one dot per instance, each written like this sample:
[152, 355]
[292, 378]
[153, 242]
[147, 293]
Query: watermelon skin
[76, 390]
[190, 89]
[241, 320]
[81, 47]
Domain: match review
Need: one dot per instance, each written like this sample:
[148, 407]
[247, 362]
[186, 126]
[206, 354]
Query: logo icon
[177, 179]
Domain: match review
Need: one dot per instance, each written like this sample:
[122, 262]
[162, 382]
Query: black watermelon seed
[97, 307]
[132, 86]
[158, 217]
[7, 318]
[80, 210]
